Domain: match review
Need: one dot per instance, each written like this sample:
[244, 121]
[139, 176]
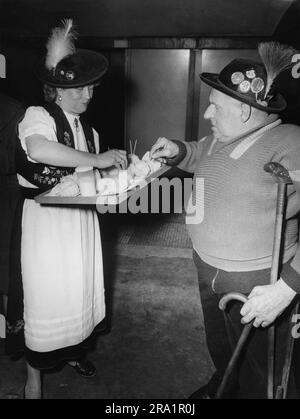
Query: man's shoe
[84, 368]
[201, 393]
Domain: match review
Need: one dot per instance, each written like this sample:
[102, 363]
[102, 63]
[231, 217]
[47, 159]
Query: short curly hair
[50, 93]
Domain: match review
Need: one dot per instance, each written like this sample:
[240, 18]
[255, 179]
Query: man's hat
[66, 67]
[252, 82]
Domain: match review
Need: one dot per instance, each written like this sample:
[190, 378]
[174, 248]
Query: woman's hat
[252, 82]
[66, 67]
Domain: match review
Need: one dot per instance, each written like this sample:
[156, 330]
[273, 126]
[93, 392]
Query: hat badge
[250, 74]
[257, 85]
[237, 77]
[244, 87]
[70, 75]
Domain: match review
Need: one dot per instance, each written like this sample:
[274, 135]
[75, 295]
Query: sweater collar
[246, 140]
[251, 139]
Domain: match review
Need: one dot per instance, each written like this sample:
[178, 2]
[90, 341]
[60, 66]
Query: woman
[61, 247]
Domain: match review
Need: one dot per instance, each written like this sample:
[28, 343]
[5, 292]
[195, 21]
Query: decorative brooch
[248, 82]
[69, 75]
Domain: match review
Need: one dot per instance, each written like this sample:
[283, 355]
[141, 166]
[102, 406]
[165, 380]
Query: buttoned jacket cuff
[291, 277]
[174, 161]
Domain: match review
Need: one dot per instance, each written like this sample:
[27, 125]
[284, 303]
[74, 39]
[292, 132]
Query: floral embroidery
[67, 139]
[52, 177]
[91, 146]
[48, 176]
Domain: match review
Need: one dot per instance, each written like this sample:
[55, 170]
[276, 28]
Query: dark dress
[11, 204]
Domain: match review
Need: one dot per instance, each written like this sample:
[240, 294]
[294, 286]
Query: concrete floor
[154, 346]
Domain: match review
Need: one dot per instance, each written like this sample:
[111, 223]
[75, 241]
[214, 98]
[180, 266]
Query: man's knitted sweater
[237, 230]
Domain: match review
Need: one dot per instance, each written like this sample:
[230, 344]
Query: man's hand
[163, 148]
[265, 303]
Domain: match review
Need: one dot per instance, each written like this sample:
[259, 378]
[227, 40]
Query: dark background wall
[287, 32]
[131, 18]
[117, 28]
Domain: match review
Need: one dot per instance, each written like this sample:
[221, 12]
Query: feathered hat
[252, 82]
[66, 67]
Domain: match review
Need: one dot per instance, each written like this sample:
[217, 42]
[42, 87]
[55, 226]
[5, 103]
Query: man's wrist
[291, 277]
[174, 161]
[285, 289]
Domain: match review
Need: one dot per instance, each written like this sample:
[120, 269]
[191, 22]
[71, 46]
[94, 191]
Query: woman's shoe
[84, 368]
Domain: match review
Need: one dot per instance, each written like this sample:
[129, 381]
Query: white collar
[248, 142]
[71, 117]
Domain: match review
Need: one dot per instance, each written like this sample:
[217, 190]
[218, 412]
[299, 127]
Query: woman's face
[75, 100]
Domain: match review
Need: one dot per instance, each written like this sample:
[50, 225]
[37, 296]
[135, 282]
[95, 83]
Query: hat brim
[97, 67]
[276, 104]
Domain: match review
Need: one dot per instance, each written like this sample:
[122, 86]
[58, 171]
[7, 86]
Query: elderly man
[233, 243]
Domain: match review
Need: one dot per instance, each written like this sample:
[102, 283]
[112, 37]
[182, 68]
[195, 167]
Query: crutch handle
[279, 173]
[231, 296]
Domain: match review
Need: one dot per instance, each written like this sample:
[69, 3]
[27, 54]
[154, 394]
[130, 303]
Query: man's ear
[245, 112]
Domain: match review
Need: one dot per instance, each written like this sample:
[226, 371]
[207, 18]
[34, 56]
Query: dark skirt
[9, 201]
[53, 359]
[11, 206]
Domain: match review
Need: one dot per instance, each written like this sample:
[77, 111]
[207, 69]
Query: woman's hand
[110, 158]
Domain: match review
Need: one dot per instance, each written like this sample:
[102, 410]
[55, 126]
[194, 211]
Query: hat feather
[276, 58]
[60, 44]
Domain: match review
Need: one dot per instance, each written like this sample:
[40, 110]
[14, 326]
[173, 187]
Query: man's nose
[209, 113]
[87, 92]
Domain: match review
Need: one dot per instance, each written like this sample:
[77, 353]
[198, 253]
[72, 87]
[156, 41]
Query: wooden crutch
[281, 176]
